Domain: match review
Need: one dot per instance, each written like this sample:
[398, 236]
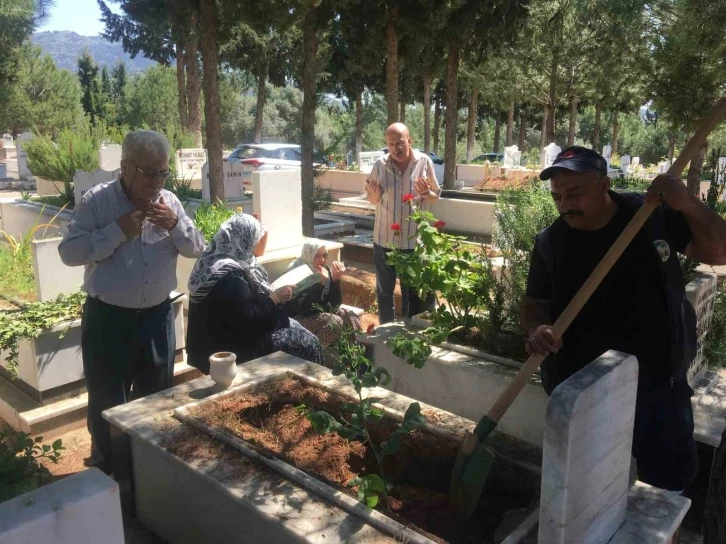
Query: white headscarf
[306, 255]
[231, 249]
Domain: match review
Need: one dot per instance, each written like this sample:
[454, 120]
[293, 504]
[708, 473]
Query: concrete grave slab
[109, 157]
[83, 181]
[278, 202]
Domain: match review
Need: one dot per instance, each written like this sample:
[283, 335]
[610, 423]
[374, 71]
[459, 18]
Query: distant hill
[65, 47]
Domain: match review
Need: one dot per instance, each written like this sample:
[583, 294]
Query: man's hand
[337, 270]
[161, 215]
[131, 223]
[282, 294]
[422, 186]
[542, 341]
[373, 186]
[671, 189]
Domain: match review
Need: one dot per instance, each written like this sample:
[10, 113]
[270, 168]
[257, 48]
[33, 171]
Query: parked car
[438, 164]
[255, 157]
[491, 157]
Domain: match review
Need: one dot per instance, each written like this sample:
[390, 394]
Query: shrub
[631, 183]
[209, 217]
[182, 188]
[322, 197]
[20, 470]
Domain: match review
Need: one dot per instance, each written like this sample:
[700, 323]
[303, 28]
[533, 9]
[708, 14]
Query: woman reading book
[232, 306]
[326, 295]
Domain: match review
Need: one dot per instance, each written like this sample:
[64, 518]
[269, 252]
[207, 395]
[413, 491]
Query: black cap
[577, 159]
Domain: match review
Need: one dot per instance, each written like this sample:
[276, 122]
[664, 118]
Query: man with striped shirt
[402, 171]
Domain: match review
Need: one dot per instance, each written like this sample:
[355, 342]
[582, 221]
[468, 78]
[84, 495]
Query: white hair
[144, 142]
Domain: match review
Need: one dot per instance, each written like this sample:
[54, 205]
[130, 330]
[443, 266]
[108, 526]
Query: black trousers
[122, 348]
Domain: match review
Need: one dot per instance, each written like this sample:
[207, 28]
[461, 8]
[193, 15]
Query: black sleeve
[677, 227]
[303, 305]
[244, 309]
[538, 280]
[335, 295]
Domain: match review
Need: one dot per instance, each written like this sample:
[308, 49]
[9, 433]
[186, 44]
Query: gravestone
[189, 163]
[721, 171]
[367, 159]
[109, 157]
[7, 141]
[701, 293]
[512, 156]
[636, 161]
[549, 154]
[625, 164]
[587, 452]
[278, 203]
[83, 181]
[23, 170]
[607, 153]
[232, 176]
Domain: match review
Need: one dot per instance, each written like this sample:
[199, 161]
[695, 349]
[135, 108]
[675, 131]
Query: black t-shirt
[628, 311]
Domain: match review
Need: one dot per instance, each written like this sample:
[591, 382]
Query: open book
[302, 277]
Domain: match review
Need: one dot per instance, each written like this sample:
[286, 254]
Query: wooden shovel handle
[506, 399]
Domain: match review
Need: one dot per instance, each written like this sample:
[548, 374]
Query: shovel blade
[468, 479]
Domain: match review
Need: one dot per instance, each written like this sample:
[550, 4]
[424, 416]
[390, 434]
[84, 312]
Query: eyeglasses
[152, 175]
[399, 145]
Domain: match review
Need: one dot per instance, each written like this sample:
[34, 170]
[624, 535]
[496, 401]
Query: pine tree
[119, 81]
[88, 77]
[105, 84]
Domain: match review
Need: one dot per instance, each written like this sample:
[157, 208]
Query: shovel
[474, 460]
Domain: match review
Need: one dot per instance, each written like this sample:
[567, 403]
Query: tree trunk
[596, 128]
[452, 90]
[427, 109]
[550, 134]
[714, 517]
[671, 145]
[392, 65]
[694, 171]
[522, 132]
[194, 82]
[497, 131]
[181, 86]
[510, 125]
[259, 112]
[402, 114]
[616, 129]
[358, 125]
[208, 45]
[573, 121]
[543, 130]
[310, 73]
[437, 125]
[471, 124]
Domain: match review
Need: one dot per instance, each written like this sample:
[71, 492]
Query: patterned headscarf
[307, 255]
[230, 249]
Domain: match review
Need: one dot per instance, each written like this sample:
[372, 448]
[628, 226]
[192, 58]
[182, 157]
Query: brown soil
[421, 471]
[348, 209]
[510, 346]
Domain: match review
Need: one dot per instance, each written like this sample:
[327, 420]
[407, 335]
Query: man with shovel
[639, 308]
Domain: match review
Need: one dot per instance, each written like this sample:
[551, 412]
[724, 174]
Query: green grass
[16, 271]
[208, 218]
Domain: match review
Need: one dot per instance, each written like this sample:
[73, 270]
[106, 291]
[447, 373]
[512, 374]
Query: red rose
[408, 197]
[439, 224]
[396, 227]
[371, 330]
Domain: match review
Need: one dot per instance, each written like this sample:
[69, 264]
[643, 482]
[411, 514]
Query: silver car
[255, 157]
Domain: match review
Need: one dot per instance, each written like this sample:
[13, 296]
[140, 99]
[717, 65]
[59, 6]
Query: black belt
[137, 311]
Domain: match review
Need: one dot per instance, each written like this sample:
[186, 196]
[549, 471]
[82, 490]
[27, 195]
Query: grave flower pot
[222, 368]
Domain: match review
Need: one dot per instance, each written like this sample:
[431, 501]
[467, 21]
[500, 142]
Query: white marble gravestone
[189, 163]
[23, 170]
[109, 157]
[721, 169]
[512, 156]
[232, 177]
[625, 164]
[636, 161]
[367, 159]
[587, 452]
[701, 293]
[83, 181]
[607, 153]
[8, 141]
[278, 203]
[549, 154]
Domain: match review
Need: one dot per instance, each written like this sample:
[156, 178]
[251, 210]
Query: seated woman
[327, 294]
[232, 306]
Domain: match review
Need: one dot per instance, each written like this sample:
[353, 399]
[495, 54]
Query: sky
[80, 16]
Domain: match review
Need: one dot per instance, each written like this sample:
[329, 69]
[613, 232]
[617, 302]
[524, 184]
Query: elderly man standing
[402, 171]
[128, 234]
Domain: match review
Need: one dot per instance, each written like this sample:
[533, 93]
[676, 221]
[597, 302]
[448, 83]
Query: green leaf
[58, 444]
[369, 489]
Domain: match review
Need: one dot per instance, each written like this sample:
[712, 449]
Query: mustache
[572, 213]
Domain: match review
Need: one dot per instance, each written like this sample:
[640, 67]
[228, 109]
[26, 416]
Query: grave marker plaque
[367, 159]
[512, 156]
[83, 181]
[189, 163]
[232, 177]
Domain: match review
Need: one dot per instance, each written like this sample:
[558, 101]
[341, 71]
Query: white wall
[52, 277]
[343, 184]
[19, 217]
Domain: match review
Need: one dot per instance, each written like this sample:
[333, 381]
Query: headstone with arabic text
[189, 163]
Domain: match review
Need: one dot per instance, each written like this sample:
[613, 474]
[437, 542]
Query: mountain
[65, 47]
